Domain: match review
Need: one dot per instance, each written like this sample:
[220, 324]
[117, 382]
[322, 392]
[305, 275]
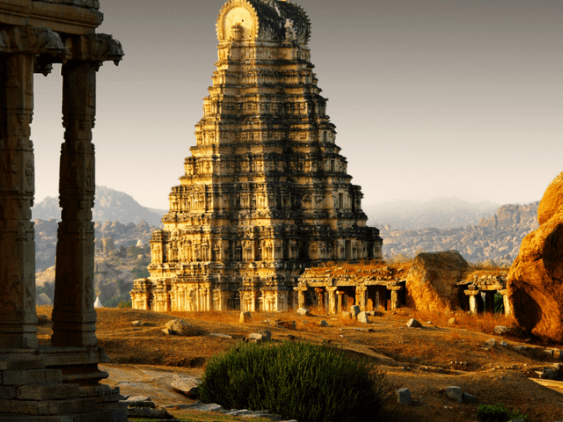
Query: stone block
[7, 393]
[245, 317]
[186, 385]
[363, 317]
[413, 323]
[179, 327]
[255, 337]
[51, 407]
[403, 396]
[207, 407]
[48, 392]
[32, 377]
[323, 323]
[266, 335]
[148, 412]
[501, 330]
[22, 364]
[98, 416]
[303, 311]
[354, 311]
[455, 393]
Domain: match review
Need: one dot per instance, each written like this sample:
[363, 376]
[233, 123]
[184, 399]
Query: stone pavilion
[59, 382]
[266, 193]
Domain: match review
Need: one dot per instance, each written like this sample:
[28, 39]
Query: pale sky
[430, 98]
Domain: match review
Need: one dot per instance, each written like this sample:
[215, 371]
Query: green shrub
[498, 413]
[498, 303]
[301, 381]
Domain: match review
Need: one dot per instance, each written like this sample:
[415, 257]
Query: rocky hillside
[440, 213]
[496, 238]
[122, 236]
[109, 205]
[114, 273]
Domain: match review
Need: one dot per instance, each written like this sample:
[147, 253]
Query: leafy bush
[498, 413]
[301, 381]
[124, 304]
[498, 303]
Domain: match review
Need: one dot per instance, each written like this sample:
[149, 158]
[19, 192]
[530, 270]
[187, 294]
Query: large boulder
[535, 280]
[552, 201]
[180, 328]
[432, 281]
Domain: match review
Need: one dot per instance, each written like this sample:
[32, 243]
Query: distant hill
[109, 205]
[439, 213]
[495, 238]
[123, 236]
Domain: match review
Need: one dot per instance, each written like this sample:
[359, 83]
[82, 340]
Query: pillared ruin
[58, 382]
[266, 193]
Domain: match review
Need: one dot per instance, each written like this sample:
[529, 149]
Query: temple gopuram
[266, 193]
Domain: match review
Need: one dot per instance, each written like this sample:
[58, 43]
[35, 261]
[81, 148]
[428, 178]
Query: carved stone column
[74, 316]
[18, 318]
[332, 299]
[394, 296]
[300, 296]
[361, 297]
[339, 302]
[473, 304]
[505, 301]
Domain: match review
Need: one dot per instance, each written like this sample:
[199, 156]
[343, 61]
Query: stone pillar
[320, 298]
[339, 302]
[473, 304]
[506, 302]
[332, 306]
[74, 316]
[395, 301]
[18, 318]
[300, 296]
[361, 296]
[209, 293]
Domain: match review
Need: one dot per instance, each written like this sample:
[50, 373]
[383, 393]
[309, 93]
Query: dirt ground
[426, 360]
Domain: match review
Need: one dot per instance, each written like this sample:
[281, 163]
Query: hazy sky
[430, 98]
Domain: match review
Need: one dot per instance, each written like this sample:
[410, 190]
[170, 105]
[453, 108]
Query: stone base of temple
[172, 296]
[56, 384]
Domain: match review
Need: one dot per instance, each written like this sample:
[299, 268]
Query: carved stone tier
[265, 192]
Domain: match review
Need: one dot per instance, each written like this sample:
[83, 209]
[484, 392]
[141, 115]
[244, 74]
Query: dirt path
[149, 381]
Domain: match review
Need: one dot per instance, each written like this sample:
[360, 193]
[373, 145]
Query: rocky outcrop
[431, 282]
[495, 238]
[552, 201]
[535, 280]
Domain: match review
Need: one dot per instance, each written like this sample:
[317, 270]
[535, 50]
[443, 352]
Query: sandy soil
[426, 360]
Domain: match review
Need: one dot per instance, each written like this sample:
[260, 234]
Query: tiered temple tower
[265, 193]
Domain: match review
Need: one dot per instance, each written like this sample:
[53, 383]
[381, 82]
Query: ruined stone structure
[336, 289]
[480, 294]
[265, 193]
[61, 381]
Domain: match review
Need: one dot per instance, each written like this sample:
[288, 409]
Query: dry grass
[425, 360]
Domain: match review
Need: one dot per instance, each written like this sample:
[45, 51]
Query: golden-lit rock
[552, 201]
[535, 280]
[432, 281]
